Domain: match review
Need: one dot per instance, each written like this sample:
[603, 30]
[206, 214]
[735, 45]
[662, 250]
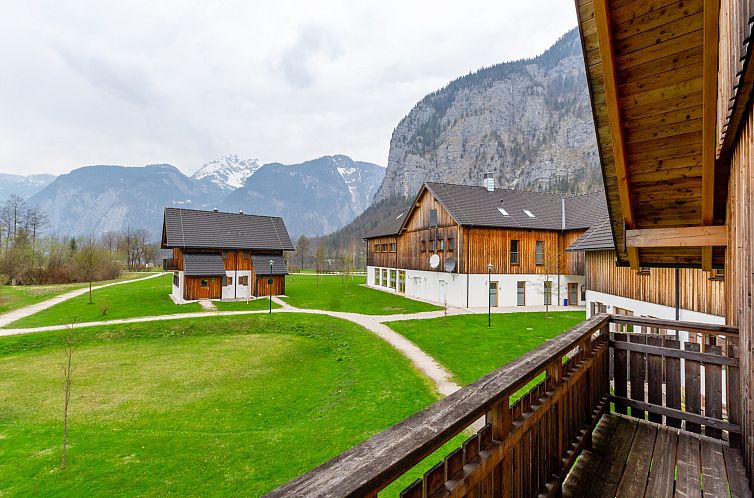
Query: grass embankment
[210, 406]
[339, 293]
[18, 296]
[469, 349]
[143, 298]
[252, 305]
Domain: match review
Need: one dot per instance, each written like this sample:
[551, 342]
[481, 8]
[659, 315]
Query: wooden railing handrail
[370, 466]
[705, 328]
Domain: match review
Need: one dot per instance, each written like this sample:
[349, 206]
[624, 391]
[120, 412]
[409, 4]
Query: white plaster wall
[643, 308]
[237, 291]
[440, 286]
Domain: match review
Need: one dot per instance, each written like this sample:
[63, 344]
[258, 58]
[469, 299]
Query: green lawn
[211, 406]
[336, 293]
[13, 297]
[469, 349]
[253, 304]
[142, 298]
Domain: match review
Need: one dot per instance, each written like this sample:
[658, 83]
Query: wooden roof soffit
[704, 237]
[602, 19]
[709, 119]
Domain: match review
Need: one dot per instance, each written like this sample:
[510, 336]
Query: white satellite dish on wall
[434, 261]
[450, 263]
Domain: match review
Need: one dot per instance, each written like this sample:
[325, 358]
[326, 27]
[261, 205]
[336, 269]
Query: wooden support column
[500, 420]
[610, 78]
[709, 119]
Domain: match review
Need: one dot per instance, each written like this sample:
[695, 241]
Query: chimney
[489, 182]
[214, 210]
[562, 211]
[240, 211]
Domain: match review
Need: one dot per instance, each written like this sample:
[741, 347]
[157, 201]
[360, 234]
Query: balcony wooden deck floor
[632, 458]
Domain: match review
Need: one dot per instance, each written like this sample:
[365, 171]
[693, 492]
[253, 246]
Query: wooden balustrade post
[554, 382]
[733, 394]
[499, 417]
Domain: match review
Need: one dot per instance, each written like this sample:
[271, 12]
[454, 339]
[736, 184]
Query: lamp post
[269, 285]
[489, 290]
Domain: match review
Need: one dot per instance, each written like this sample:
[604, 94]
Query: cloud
[186, 82]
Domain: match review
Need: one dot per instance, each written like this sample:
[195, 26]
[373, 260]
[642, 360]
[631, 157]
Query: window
[514, 252]
[384, 277]
[402, 282]
[376, 248]
[225, 281]
[433, 217]
[521, 293]
[540, 252]
[229, 280]
[424, 246]
[204, 283]
[451, 244]
[392, 279]
[442, 245]
[175, 279]
[394, 247]
[529, 214]
[226, 254]
[243, 280]
[503, 212]
[376, 276]
[643, 271]
[548, 293]
[433, 243]
[583, 292]
[384, 247]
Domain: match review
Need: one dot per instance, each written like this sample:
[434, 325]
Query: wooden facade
[262, 287]
[472, 247]
[202, 288]
[698, 290]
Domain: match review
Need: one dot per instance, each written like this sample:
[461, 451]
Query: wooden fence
[526, 447]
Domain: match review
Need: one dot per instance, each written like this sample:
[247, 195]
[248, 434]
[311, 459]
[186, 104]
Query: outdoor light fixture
[489, 293]
[269, 285]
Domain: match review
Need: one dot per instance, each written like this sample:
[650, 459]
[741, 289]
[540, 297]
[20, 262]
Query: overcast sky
[184, 83]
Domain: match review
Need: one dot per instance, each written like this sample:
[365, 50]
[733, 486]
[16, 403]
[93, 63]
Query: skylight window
[528, 213]
[503, 212]
[399, 216]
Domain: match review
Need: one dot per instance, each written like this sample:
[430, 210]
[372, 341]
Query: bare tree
[36, 220]
[88, 262]
[67, 379]
[11, 215]
[110, 240]
[302, 247]
[320, 257]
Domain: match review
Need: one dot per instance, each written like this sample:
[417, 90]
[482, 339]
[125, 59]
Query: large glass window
[548, 293]
[384, 277]
[514, 252]
[393, 247]
[540, 253]
[402, 282]
[376, 276]
[392, 279]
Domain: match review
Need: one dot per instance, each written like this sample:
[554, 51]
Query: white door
[417, 287]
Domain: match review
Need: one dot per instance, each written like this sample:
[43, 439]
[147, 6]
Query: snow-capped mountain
[229, 172]
[362, 180]
[22, 186]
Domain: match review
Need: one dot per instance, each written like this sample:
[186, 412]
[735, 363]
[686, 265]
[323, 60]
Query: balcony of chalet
[624, 406]
[169, 264]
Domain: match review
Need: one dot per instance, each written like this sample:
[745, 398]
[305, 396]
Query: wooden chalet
[518, 236]
[688, 294]
[625, 407]
[226, 256]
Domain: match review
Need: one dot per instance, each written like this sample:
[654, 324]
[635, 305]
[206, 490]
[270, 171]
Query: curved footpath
[20, 313]
[374, 323]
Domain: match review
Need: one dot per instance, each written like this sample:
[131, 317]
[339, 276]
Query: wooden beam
[708, 236]
[610, 78]
[709, 118]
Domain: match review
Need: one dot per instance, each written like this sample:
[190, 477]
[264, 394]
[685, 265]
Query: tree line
[323, 259]
[28, 255]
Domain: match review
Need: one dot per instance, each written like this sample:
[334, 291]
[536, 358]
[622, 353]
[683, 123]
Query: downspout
[677, 295]
[467, 241]
[235, 277]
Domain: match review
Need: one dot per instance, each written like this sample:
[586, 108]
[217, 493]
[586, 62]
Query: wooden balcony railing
[526, 447]
[169, 264]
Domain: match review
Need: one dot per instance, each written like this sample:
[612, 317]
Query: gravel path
[20, 313]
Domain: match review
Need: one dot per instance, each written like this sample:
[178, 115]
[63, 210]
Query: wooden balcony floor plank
[630, 457]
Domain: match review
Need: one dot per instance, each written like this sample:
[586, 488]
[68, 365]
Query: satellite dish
[450, 264]
[434, 261]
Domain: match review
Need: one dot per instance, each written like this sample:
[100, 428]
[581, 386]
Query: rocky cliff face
[527, 121]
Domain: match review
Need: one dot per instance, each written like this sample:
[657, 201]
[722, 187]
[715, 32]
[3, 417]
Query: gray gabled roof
[203, 264]
[261, 264]
[597, 238]
[218, 230]
[391, 226]
[476, 206]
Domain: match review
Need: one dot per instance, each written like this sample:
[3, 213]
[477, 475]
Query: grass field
[14, 297]
[210, 406]
[466, 347]
[142, 298]
[252, 305]
[332, 293]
